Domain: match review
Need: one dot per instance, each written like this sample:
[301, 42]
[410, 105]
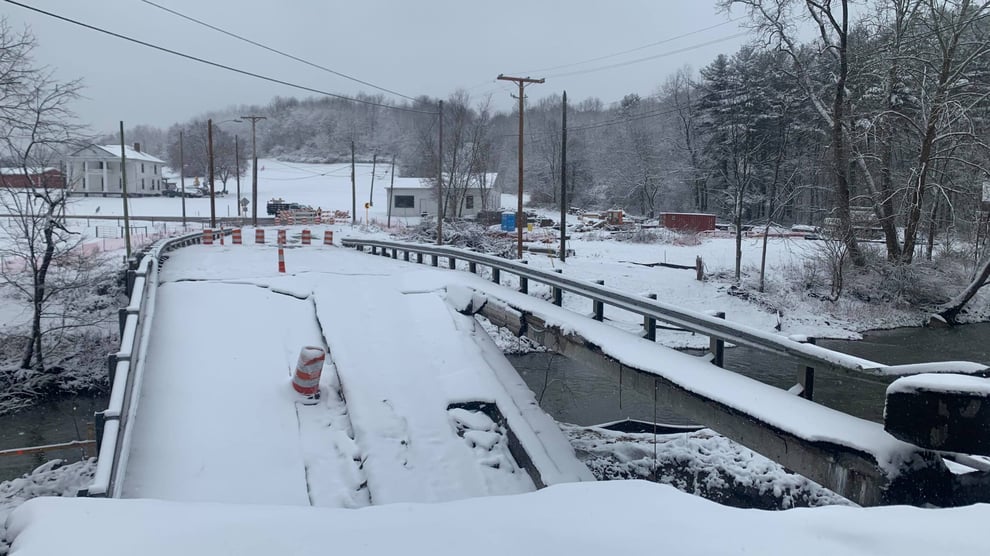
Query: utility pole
[182, 180]
[123, 191]
[209, 149]
[374, 164]
[440, 179]
[522, 82]
[237, 175]
[391, 186]
[563, 182]
[353, 189]
[254, 170]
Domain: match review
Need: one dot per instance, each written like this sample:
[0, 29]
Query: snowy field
[240, 325]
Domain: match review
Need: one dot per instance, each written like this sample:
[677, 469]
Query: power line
[215, 64]
[648, 58]
[638, 48]
[276, 51]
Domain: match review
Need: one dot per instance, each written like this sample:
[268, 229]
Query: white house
[414, 197]
[95, 170]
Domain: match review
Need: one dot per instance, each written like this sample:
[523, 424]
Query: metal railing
[126, 367]
[713, 325]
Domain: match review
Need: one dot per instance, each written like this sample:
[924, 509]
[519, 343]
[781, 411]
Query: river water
[51, 422]
[574, 393]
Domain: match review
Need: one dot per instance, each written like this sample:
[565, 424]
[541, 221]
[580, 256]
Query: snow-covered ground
[234, 327]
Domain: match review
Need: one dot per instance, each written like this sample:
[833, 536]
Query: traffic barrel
[281, 237]
[307, 237]
[221, 235]
[328, 237]
[235, 236]
[281, 260]
[306, 379]
[259, 235]
[207, 236]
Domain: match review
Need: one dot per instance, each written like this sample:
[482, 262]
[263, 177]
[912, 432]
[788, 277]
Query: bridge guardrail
[652, 311]
[126, 367]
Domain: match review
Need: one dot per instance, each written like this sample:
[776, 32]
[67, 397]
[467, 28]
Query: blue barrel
[508, 221]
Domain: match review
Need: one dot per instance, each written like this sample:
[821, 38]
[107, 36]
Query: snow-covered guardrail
[126, 367]
[653, 311]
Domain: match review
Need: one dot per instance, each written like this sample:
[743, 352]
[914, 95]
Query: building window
[103, 186]
[154, 169]
[99, 165]
[142, 183]
[142, 167]
[469, 202]
[84, 181]
[405, 201]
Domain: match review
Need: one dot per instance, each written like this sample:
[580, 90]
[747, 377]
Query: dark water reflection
[51, 422]
[574, 393]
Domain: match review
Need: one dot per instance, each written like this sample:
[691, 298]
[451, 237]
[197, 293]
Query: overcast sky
[414, 47]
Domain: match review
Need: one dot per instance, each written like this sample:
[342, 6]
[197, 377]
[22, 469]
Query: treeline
[876, 125]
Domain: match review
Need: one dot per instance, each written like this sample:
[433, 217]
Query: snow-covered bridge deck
[217, 419]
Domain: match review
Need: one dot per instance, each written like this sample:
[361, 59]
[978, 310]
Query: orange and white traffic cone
[281, 237]
[306, 379]
[281, 260]
[328, 237]
[259, 235]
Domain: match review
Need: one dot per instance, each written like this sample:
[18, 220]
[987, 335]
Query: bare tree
[43, 263]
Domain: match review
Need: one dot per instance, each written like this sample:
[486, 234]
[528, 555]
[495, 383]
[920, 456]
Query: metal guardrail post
[524, 281]
[806, 375]
[434, 260]
[374, 250]
[558, 293]
[472, 267]
[650, 324]
[395, 253]
[99, 420]
[452, 263]
[717, 345]
[598, 306]
[129, 287]
[419, 258]
[112, 366]
[121, 320]
[405, 255]
[496, 275]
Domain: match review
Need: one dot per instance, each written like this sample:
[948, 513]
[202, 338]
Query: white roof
[130, 153]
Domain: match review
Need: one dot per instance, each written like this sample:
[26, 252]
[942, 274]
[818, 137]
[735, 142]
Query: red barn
[36, 177]
[687, 221]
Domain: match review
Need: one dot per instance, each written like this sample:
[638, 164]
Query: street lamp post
[237, 174]
[254, 169]
[213, 197]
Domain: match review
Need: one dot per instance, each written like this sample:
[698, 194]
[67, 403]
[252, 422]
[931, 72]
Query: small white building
[415, 197]
[95, 170]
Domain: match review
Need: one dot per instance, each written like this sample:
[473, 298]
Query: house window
[142, 167]
[103, 186]
[405, 201]
[142, 181]
[154, 169]
[469, 201]
[99, 165]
